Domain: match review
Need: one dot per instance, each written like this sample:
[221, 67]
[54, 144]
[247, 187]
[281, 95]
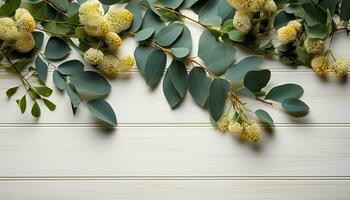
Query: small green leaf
[51, 106]
[102, 110]
[136, 9]
[264, 117]
[41, 69]
[10, 92]
[38, 38]
[22, 103]
[180, 52]
[169, 34]
[44, 91]
[71, 67]
[36, 110]
[144, 34]
[178, 75]
[286, 91]
[74, 98]
[257, 80]
[295, 107]
[170, 92]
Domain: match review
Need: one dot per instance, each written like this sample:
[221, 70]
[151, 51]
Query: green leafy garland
[159, 26]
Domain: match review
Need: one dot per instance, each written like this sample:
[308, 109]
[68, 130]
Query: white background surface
[156, 153]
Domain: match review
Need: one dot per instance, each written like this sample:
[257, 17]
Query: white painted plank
[135, 103]
[176, 190]
[140, 151]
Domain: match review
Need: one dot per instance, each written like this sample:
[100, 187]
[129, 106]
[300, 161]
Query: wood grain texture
[172, 151]
[177, 189]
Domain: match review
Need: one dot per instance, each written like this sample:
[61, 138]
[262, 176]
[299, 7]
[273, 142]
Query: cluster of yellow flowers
[289, 33]
[247, 130]
[315, 48]
[242, 20]
[17, 32]
[106, 27]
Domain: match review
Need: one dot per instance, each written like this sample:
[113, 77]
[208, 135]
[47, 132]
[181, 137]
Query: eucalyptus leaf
[295, 107]
[41, 69]
[199, 85]
[56, 49]
[286, 91]
[169, 34]
[217, 97]
[264, 117]
[239, 70]
[90, 85]
[256, 80]
[71, 67]
[154, 67]
[102, 110]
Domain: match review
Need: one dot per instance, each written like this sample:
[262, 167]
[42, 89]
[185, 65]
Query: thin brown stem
[48, 2]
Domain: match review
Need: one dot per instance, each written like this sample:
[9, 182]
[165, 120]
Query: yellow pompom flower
[126, 64]
[287, 34]
[109, 65]
[296, 25]
[340, 67]
[93, 56]
[24, 20]
[113, 41]
[270, 6]
[8, 30]
[120, 19]
[252, 132]
[320, 64]
[99, 28]
[223, 123]
[314, 46]
[25, 42]
[246, 5]
[242, 22]
[88, 11]
[235, 129]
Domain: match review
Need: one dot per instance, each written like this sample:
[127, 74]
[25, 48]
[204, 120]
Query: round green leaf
[178, 76]
[71, 67]
[56, 49]
[264, 117]
[286, 91]
[180, 52]
[170, 92]
[58, 80]
[169, 34]
[257, 80]
[142, 53]
[36, 110]
[184, 41]
[144, 34]
[102, 110]
[90, 85]
[295, 107]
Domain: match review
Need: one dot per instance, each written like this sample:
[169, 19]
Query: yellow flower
[296, 25]
[246, 5]
[320, 64]
[235, 128]
[88, 11]
[270, 6]
[93, 56]
[113, 41]
[25, 42]
[99, 28]
[340, 67]
[24, 20]
[126, 64]
[120, 19]
[8, 29]
[252, 132]
[223, 123]
[287, 34]
[109, 65]
[242, 22]
[314, 46]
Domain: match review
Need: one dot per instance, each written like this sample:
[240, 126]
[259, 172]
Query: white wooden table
[156, 153]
